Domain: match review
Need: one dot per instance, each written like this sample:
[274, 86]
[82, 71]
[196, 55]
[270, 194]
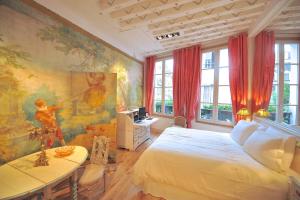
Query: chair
[180, 121]
[95, 171]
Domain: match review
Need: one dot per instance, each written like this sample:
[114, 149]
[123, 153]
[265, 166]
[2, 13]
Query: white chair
[95, 171]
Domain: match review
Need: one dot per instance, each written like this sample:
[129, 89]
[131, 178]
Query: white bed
[189, 164]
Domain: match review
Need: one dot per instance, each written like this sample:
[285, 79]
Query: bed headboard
[288, 130]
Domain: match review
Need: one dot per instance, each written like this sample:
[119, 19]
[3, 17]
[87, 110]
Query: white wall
[164, 122]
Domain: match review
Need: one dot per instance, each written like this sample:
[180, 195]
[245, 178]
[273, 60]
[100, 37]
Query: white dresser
[129, 134]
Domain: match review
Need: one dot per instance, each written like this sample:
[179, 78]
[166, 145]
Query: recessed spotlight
[167, 35]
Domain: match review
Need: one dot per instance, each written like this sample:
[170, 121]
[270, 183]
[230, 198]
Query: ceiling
[132, 25]
[287, 24]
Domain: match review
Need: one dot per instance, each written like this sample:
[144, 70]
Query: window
[163, 87]
[284, 105]
[215, 104]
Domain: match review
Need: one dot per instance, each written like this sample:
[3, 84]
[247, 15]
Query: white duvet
[207, 164]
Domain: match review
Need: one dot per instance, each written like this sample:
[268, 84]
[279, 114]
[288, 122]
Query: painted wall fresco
[41, 58]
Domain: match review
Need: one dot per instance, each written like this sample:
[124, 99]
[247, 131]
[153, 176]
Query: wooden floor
[120, 186]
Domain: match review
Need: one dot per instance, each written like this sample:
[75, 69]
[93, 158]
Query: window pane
[224, 95]
[158, 80]
[291, 53]
[289, 114]
[272, 110]
[157, 106]
[224, 58]
[274, 96]
[225, 112]
[168, 93]
[207, 94]
[208, 60]
[158, 67]
[276, 53]
[206, 111]
[207, 77]
[169, 107]
[169, 66]
[275, 79]
[291, 74]
[168, 80]
[224, 76]
[157, 93]
[290, 94]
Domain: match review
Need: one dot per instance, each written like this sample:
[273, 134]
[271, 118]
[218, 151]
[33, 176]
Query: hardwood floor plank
[121, 186]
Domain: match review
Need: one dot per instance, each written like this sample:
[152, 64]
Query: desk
[19, 177]
[130, 134]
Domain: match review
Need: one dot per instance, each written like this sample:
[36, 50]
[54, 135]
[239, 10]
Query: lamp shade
[263, 113]
[243, 112]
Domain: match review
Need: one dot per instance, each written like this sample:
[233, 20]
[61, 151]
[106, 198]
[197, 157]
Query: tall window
[284, 105]
[163, 83]
[215, 102]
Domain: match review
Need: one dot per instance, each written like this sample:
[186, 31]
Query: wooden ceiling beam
[204, 41]
[202, 32]
[284, 20]
[222, 22]
[281, 28]
[147, 7]
[292, 8]
[288, 16]
[291, 22]
[174, 13]
[212, 35]
[272, 10]
[166, 25]
[108, 6]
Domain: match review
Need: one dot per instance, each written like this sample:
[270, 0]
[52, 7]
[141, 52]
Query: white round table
[20, 178]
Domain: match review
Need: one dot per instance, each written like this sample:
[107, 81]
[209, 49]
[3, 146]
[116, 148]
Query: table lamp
[263, 113]
[243, 113]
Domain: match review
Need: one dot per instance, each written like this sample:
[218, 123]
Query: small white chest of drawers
[129, 134]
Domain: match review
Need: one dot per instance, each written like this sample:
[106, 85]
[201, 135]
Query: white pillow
[289, 147]
[261, 127]
[242, 131]
[266, 148]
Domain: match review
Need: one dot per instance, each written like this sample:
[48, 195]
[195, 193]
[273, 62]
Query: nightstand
[294, 189]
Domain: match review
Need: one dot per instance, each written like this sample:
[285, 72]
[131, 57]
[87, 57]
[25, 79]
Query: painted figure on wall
[46, 116]
[94, 96]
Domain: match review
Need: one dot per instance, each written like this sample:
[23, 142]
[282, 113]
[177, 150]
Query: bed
[189, 164]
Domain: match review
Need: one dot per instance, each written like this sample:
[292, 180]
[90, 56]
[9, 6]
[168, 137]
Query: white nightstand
[294, 190]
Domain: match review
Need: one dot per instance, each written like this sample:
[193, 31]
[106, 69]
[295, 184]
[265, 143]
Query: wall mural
[46, 66]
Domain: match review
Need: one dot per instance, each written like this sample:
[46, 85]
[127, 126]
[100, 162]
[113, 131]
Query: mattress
[205, 164]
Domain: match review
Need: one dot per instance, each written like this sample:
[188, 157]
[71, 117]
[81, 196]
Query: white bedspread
[209, 164]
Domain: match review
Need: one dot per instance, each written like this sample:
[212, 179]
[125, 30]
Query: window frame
[162, 113]
[280, 84]
[216, 85]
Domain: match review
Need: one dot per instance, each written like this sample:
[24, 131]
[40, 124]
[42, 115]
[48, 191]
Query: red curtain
[149, 68]
[263, 70]
[186, 82]
[238, 72]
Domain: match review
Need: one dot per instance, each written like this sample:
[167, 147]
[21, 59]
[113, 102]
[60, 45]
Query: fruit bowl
[64, 151]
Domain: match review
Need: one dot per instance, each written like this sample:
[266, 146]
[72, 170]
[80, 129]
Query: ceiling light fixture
[167, 35]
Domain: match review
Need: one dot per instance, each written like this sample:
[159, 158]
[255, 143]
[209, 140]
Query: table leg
[74, 185]
[47, 193]
[40, 196]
